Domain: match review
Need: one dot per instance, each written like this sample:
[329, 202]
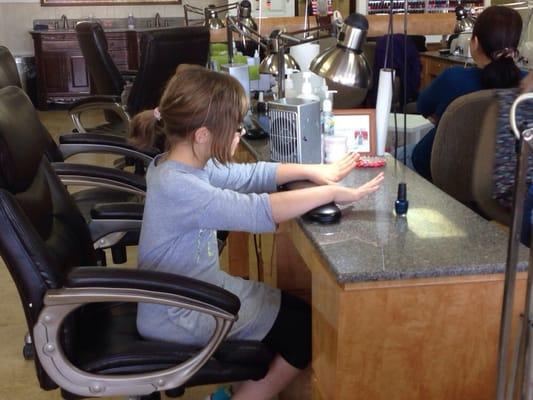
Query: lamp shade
[270, 64]
[212, 21]
[245, 16]
[464, 22]
[345, 62]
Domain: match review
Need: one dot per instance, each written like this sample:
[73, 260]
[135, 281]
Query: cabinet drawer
[435, 67]
[117, 45]
[63, 45]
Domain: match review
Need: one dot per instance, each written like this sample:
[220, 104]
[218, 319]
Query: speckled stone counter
[439, 237]
[467, 61]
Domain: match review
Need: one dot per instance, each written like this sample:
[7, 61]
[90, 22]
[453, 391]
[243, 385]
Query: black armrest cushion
[103, 139]
[94, 99]
[131, 211]
[153, 281]
[112, 174]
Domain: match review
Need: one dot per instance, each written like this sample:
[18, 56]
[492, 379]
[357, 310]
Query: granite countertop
[439, 236]
[110, 25]
[469, 61]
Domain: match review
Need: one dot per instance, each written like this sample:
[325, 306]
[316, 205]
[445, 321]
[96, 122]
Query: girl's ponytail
[146, 131]
[501, 73]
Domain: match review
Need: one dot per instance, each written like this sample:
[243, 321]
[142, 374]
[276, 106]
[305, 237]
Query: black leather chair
[82, 318]
[162, 50]
[107, 81]
[103, 185]
[8, 69]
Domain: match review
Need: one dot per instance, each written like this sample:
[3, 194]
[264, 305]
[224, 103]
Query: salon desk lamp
[343, 63]
[209, 13]
[464, 22]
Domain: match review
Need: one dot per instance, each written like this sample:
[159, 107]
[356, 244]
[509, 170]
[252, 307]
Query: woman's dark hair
[194, 97]
[498, 30]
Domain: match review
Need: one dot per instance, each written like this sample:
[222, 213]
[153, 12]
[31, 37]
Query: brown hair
[498, 31]
[194, 97]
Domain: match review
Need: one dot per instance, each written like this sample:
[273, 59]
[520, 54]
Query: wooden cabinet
[433, 64]
[62, 74]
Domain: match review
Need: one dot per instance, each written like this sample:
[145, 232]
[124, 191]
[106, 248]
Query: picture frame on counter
[359, 127]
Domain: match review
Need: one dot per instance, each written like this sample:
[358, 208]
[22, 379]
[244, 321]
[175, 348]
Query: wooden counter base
[411, 339]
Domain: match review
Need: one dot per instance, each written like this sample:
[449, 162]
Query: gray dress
[184, 208]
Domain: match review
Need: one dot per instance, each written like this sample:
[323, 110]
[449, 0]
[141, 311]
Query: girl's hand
[345, 195]
[327, 174]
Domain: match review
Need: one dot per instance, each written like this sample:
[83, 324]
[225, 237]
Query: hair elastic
[157, 114]
[507, 52]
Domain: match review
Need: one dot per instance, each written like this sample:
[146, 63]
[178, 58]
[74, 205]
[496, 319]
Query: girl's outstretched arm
[321, 174]
[293, 203]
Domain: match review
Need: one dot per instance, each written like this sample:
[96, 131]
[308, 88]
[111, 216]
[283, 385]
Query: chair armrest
[111, 221]
[94, 99]
[96, 176]
[70, 144]
[132, 211]
[111, 103]
[129, 286]
[161, 282]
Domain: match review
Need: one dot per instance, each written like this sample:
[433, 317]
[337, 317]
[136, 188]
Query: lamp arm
[290, 41]
[233, 26]
[191, 9]
[227, 7]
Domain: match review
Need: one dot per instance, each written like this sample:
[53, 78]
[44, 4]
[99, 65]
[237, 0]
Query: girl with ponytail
[194, 190]
[493, 47]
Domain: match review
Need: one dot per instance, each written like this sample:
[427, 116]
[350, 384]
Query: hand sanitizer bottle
[290, 92]
[307, 88]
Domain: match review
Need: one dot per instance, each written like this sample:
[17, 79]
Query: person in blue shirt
[493, 47]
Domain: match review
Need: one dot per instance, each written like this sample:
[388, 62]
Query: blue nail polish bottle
[401, 204]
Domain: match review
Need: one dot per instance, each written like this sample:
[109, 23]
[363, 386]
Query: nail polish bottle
[401, 204]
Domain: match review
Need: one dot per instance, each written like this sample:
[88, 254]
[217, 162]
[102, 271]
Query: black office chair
[83, 318]
[8, 69]
[162, 50]
[108, 82]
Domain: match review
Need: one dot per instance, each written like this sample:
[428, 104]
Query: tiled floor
[17, 376]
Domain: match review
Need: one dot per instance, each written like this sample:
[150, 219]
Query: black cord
[259, 259]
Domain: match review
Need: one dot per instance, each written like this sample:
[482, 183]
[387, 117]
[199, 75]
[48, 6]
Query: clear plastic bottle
[131, 21]
[328, 122]
[307, 88]
[290, 92]
[327, 117]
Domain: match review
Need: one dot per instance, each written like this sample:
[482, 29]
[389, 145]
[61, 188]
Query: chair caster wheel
[27, 351]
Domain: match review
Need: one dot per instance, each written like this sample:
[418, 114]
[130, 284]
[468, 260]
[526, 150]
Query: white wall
[16, 17]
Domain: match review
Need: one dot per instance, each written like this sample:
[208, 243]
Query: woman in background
[493, 47]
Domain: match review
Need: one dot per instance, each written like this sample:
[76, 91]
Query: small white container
[335, 147]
